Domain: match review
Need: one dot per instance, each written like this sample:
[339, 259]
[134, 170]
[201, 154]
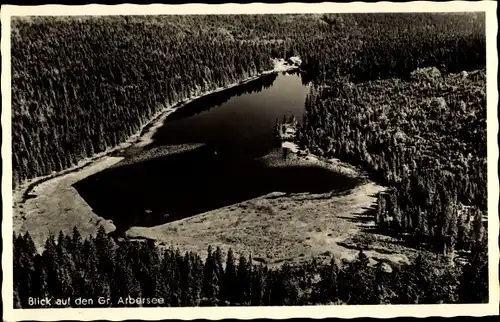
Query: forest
[425, 138]
[85, 84]
[97, 266]
[421, 133]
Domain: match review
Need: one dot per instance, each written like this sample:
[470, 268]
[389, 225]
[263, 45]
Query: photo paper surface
[249, 161]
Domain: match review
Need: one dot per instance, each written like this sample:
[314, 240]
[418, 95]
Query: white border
[116, 314]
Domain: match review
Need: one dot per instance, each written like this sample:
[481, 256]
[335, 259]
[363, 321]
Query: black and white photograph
[327, 156]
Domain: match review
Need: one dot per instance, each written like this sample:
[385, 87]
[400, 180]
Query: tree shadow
[366, 221]
[207, 102]
[363, 218]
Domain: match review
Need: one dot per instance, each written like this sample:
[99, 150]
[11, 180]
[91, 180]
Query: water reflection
[208, 102]
[240, 119]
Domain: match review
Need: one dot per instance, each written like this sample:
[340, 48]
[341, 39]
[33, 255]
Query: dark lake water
[239, 120]
[236, 129]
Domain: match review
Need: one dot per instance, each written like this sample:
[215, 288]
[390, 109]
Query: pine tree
[382, 289]
[244, 281]
[420, 274]
[197, 282]
[150, 278]
[326, 290]
[361, 283]
[95, 283]
[210, 279]
[24, 278]
[258, 285]
[172, 268]
[333, 271]
[105, 249]
[380, 218]
[50, 262]
[65, 267]
[219, 268]
[124, 282]
[187, 295]
[76, 246]
[17, 299]
[228, 291]
[288, 288]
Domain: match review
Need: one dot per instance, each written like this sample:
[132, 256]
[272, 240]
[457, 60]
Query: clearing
[54, 205]
[278, 228]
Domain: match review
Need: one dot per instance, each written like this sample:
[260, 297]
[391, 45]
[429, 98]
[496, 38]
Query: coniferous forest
[410, 113]
[425, 138]
[85, 84]
[97, 267]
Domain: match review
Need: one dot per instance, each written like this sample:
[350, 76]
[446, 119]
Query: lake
[231, 156]
[240, 120]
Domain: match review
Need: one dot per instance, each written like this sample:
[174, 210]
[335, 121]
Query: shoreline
[286, 134]
[302, 232]
[294, 227]
[139, 139]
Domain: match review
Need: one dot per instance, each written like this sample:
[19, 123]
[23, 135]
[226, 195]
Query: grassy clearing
[279, 228]
[276, 228]
[55, 205]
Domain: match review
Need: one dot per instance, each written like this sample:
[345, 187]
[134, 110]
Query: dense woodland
[85, 84]
[71, 266]
[423, 134]
[425, 138]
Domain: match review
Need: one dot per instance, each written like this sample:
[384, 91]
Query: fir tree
[244, 282]
[210, 279]
[50, 266]
[229, 281]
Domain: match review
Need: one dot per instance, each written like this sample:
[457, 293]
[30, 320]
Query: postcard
[250, 161]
